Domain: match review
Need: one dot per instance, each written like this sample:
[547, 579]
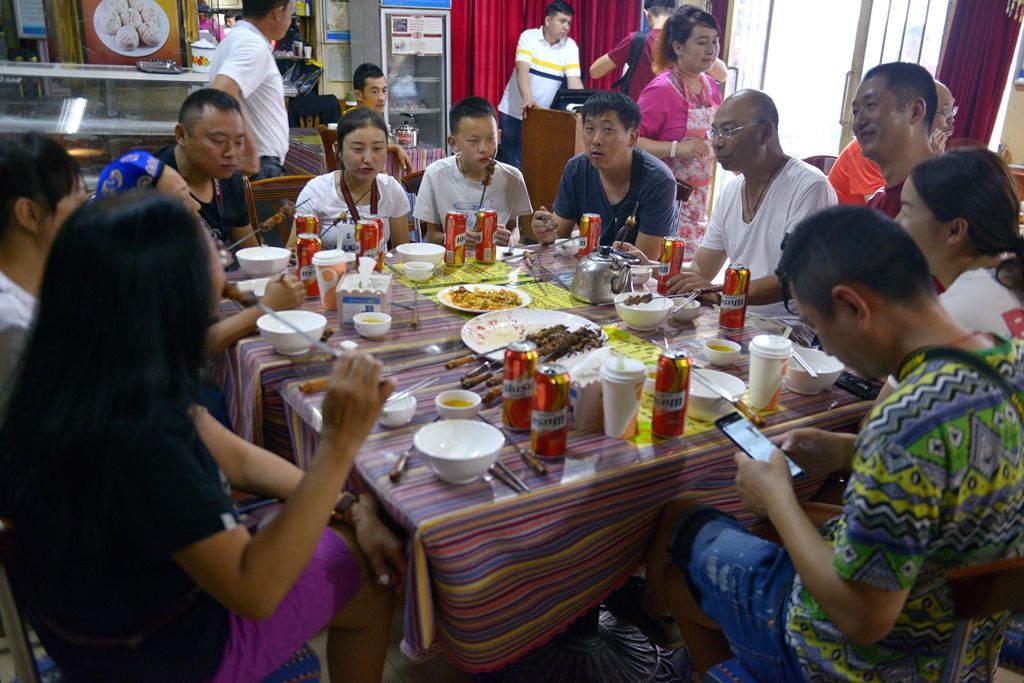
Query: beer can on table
[307, 224]
[549, 421]
[590, 233]
[486, 225]
[455, 238]
[517, 387]
[307, 244]
[673, 249]
[368, 235]
[671, 393]
[733, 311]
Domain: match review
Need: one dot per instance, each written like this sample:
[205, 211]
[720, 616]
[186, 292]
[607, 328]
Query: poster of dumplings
[125, 31]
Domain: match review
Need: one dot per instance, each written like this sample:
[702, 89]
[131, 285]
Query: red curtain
[976, 63]
[485, 32]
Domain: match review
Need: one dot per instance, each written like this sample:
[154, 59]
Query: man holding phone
[937, 482]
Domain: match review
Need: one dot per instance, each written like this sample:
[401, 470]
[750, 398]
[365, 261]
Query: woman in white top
[358, 188]
[961, 208]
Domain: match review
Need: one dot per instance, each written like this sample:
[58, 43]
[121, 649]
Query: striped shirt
[549, 64]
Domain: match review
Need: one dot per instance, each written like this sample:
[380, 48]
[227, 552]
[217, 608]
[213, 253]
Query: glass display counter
[99, 112]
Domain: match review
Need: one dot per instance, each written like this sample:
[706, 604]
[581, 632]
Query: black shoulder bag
[636, 49]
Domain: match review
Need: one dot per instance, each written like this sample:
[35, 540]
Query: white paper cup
[769, 359]
[297, 48]
[307, 51]
[330, 266]
[621, 388]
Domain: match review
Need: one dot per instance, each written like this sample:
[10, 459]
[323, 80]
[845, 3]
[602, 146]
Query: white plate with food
[482, 298]
[134, 28]
[495, 330]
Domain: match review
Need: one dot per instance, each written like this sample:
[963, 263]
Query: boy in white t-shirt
[455, 183]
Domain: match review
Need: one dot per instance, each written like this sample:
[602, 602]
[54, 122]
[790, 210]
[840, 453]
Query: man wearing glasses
[756, 210]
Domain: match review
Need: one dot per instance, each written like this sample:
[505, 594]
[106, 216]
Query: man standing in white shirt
[544, 57]
[756, 210]
[244, 67]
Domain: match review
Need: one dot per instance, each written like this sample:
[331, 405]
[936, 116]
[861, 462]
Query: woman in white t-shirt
[961, 208]
[358, 188]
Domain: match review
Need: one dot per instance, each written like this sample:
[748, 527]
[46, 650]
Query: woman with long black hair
[127, 554]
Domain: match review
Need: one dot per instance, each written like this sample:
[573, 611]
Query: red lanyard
[352, 211]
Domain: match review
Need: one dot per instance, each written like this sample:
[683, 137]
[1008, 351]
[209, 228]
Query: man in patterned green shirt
[937, 482]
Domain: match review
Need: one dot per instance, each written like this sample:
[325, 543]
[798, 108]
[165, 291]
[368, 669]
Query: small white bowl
[398, 413]
[458, 451]
[688, 311]
[283, 338]
[567, 246]
[372, 325]
[651, 374]
[721, 352]
[827, 367]
[263, 261]
[419, 271]
[643, 316]
[466, 404]
[640, 274]
[709, 406]
[421, 251]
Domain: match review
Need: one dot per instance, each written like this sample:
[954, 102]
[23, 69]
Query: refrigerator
[411, 41]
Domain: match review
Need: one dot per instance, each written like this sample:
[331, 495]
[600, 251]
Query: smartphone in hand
[750, 440]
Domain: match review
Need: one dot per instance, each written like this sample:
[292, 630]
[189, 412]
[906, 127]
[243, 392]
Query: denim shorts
[743, 583]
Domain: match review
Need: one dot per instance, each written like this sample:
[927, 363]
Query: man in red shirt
[892, 119]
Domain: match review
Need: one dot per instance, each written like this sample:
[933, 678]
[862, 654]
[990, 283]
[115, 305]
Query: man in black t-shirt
[210, 135]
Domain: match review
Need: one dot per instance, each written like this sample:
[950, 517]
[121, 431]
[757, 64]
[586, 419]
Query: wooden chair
[266, 197]
[822, 162]
[312, 110]
[327, 138]
[14, 628]
[411, 183]
[979, 592]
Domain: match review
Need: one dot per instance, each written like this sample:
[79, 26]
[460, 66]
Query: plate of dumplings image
[134, 28]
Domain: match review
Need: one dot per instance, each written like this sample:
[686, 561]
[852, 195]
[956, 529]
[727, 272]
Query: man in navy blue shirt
[615, 179]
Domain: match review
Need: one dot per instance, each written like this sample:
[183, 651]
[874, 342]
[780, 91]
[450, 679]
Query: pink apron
[693, 214]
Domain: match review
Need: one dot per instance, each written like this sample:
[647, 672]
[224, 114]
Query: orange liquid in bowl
[456, 403]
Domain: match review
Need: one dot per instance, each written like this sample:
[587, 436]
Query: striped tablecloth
[494, 574]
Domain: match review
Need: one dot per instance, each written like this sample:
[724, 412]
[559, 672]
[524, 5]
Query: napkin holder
[357, 294]
[586, 409]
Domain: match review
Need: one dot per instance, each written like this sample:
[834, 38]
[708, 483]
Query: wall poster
[126, 31]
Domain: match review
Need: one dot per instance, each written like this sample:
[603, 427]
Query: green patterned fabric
[938, 482]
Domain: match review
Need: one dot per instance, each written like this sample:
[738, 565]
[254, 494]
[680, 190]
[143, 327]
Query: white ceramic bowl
[827, 367]
[458, 451]
[419, 271]
[567, 246]
[263, 261]
[456, 404]
[643, 316]
[284, 339]
[640, 274]
[707, 405]
[688, 311]
[398, 413]
[721, 352]
[421, 251]
[372, 325]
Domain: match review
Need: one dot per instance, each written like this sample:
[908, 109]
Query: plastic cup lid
[329, 257]
[631, 370]
[771, 346]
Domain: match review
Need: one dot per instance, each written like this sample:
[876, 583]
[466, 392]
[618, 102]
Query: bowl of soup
[721, 352]
[456, 404]
[372, 325]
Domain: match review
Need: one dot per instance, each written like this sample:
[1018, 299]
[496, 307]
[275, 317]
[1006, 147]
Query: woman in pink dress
[677, 109]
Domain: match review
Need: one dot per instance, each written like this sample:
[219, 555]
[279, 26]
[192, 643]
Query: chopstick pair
[507, 477]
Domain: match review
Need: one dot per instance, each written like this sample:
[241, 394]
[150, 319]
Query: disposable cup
[330, 266]
[307, 51]
[769, 359]
[622, 384]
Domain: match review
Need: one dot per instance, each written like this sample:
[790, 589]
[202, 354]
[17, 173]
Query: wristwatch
[347, 500]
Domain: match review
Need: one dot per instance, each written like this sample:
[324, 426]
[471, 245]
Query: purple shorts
[255, 649]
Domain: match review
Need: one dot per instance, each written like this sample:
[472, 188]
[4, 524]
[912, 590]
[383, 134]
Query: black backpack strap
[636, 49]
[630, 203]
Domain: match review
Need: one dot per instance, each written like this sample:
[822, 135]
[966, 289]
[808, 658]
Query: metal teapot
[408, 133]
[601, 274]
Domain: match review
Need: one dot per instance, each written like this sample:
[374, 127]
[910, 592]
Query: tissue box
[586, 411]
[375, 297]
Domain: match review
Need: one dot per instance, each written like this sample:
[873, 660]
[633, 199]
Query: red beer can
[455, 238]
[382, 246]
[517, 387]
[549, 421]
[486, 225]
[671, 393]
[671, 262]
[368, 234]
[732, 312]
[307, 224]
[307, 244]
[590, 233]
